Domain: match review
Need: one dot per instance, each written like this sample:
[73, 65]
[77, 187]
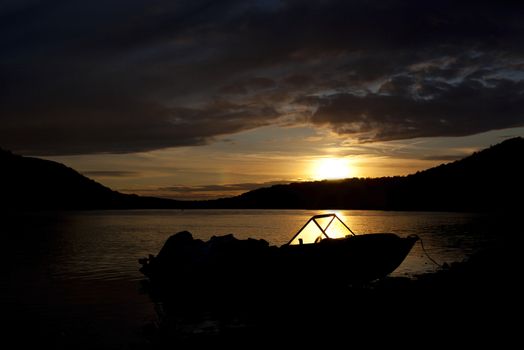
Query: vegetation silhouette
[488, 180]
[38, 184]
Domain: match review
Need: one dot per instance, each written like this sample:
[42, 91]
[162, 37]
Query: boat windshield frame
[321, 216]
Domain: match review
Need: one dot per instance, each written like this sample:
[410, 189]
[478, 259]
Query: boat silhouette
[325, 249]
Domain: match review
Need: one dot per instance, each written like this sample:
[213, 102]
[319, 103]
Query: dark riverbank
[469, 302]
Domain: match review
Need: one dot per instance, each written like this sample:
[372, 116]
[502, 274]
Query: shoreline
[476, 294]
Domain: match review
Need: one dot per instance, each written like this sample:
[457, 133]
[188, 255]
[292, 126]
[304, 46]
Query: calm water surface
[74, 276]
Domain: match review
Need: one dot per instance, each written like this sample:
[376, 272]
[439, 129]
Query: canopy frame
[314, 218]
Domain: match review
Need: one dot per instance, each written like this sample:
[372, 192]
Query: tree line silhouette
[489, 180]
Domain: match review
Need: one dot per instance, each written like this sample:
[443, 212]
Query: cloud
[102, 77]
[252, 84]
[221, 188]
[427, 109]
[110, 173]
[445, 157]
[202, 192]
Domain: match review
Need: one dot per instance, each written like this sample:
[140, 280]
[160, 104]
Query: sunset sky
[202, 99]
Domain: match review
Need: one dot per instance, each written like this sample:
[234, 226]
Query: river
[71, 278]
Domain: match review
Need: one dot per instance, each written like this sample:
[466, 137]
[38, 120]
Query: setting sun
[332, 168]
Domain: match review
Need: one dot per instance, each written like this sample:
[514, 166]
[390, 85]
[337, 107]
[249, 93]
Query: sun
[332, 168]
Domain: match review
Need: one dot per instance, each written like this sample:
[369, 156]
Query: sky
[204, 99]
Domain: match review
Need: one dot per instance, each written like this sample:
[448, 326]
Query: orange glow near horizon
[332, 168]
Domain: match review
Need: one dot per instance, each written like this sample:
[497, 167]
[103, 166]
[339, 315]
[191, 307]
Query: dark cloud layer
[110, 173]
[80, 77]
[436, 109]
[240, 187]
[202, 192]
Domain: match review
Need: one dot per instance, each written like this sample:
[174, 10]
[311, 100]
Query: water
[74, 276]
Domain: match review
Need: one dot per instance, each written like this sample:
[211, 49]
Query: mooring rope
[427, 254]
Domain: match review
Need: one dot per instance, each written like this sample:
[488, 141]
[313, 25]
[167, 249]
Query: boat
[325, 249]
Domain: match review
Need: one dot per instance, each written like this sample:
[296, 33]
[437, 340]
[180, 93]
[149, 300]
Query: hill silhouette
[37, 184]
[489, 180]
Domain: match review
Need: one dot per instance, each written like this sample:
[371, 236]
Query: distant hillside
[30, 183]
[491, 179]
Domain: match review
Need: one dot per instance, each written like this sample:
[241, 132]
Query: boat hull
[226, 262]
[355, 258]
